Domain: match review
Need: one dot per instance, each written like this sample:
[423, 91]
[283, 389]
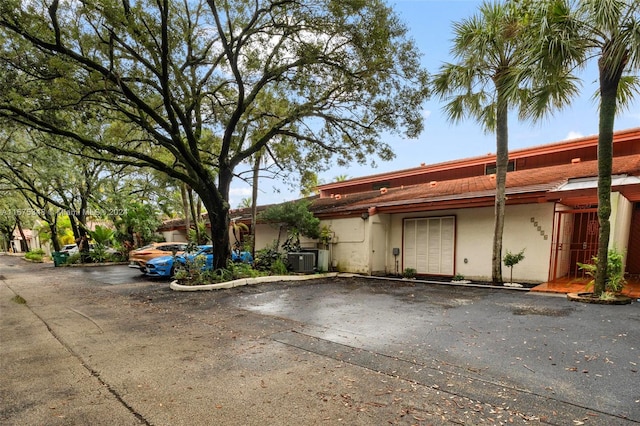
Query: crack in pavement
[86, 366]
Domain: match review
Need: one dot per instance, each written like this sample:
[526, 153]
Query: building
[438, 219]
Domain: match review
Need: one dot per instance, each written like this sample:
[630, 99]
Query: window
[490, 169]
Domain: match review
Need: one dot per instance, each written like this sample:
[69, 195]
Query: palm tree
[495, 71]
[611, 30]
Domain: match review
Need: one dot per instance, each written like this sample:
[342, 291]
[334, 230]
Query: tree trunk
[502, 162]
[608, 95]
[52, 221]
[254, 202]
[194, 216]
[185, 207]
[217, 205]
[24, 247]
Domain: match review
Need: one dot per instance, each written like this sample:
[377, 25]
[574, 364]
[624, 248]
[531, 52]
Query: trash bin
[59, 258]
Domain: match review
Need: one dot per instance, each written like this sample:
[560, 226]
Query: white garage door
[429, 245]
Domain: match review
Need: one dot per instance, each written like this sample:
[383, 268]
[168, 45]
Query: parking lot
[105, 345]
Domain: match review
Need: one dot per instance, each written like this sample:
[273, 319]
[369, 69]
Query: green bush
[615, 271]
[266, 257]
[410, 273]
[74, 258]
[34, 255]
[99, 253]
[511, 260]
[278, 267]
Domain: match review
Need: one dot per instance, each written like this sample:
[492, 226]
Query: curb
[252, 281]
[275, 278]
[588, 297]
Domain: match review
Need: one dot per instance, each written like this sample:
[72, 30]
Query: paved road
[104, 345]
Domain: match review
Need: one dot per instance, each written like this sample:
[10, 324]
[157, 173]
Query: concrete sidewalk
[87, 352]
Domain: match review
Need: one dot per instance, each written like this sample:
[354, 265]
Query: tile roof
[532, 182]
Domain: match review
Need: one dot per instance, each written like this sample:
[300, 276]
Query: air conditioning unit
[302, 262]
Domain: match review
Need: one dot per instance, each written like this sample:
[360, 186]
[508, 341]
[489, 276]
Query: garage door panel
[429, 245]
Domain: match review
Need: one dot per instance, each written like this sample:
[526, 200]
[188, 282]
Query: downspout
[372, 211]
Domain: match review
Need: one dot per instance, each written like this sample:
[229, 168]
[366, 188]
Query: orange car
[138, 258]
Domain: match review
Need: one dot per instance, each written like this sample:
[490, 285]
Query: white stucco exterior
[621, 214]
[366, 245]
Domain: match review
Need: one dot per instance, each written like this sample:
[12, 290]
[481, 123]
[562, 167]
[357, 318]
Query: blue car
[165, 266]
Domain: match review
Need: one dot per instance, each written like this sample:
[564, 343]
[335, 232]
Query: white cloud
[426, 114]
[237, 194]
[574, 135]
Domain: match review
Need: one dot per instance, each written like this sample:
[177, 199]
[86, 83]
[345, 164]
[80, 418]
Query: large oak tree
[184, 80]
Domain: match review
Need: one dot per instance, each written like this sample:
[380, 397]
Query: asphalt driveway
[105, 345]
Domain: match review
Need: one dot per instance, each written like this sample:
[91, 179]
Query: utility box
[302, 262]
[323, 261]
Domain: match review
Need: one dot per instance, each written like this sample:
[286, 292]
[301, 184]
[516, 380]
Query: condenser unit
[302, 262]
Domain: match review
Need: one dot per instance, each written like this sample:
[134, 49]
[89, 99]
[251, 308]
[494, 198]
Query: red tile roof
[524, 185]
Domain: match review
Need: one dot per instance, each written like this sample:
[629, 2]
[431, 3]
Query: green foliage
[242, 270]
[267, 257]
[192, 273]
[458, 277]
[34, 255]
[306, 101]
[325, 235]
[615, 271]
[199, 236]
[140, 220]
[74, 258]
[99, 253]
[296, 218]
[102, 235]
[410, 273]
[279, 267]
[511, 260]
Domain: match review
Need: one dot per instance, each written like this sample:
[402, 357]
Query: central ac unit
[302, 262]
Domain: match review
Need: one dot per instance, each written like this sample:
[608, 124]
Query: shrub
[191, 273]
[34, 256]
[512, 260]
[99, 253]
[410, 273]
[278, 267]
[615, 271]
[266, 257]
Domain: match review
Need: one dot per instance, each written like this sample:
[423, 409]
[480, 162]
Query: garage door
[429, 245]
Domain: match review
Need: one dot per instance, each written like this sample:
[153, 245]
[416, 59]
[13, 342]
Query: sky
[430, 26]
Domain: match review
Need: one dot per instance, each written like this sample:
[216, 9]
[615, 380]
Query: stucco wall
[474, 239]
[350, 246]
[621, 212]
[175, 236]
[265, 235]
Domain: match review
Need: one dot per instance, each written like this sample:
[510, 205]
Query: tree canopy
[193, 89]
